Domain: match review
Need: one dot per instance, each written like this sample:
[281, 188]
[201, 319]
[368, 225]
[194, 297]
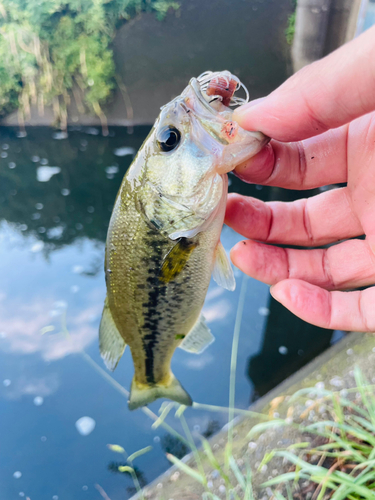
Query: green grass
[53, 52]
[290, 30]
[342, 464]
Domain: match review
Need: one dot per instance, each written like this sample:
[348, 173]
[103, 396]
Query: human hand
[329, 108]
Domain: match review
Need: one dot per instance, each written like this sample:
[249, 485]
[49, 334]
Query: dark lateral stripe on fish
[152, 316]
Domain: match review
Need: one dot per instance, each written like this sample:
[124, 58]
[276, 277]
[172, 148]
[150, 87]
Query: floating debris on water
[264, 311]
[43, 438]
[3, 154]
[283, 350]
[21, 134]
[38, 401]
[156, 439]
[35, 159]
[85, 488]
[90, 210]
[65, 192]
[85, 425]
[39, 206]
[44, 174]
[17, 474]
[44, 161]
[77, 269]
[92, 131]
[60, 304]
[11, 164]
[35, 216]
[55, 232]
[37, 247]
[5, 146]
[124, 151]
[21, 494]
[113, 169]
[6, 382]
[60, 135]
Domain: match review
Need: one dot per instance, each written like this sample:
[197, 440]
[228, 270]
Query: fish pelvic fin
[142, 395]
[111, 344]
[223, 272]
[199, 337]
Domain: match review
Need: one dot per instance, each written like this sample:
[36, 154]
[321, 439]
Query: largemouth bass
[163, 240]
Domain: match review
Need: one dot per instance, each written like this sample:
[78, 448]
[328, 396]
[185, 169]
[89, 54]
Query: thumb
[323, 95]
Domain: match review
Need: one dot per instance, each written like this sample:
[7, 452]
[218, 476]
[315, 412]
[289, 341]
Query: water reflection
[52, 290]
[301, 344]
[61, 190]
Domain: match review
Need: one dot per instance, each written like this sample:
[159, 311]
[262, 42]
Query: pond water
[56, 197]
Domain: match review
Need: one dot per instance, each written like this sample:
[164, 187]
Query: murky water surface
[58, 407]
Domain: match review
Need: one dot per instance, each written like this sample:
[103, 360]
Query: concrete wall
[322, 26]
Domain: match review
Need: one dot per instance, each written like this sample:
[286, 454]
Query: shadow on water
[52, 234]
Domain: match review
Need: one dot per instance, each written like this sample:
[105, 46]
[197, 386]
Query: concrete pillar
[321, 27]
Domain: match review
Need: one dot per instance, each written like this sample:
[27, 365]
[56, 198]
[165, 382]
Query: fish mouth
[195, 85]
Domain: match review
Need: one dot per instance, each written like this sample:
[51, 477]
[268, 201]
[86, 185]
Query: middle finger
[319, 220]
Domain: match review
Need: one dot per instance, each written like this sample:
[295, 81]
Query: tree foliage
[51, 50]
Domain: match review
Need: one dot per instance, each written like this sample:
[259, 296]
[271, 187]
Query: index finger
[326, 94]
[307, 164]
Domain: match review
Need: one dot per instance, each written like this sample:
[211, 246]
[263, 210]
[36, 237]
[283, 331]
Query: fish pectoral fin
[223, 272]
[144, 395]
[111, 344]
[198, 338]
[176, 259]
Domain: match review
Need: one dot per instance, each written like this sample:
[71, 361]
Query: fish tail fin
[144, 395]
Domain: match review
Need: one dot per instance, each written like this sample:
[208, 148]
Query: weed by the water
[339, 463]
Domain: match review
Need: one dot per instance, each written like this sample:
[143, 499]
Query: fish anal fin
[111, 344]
[176, 259]
[198, 339]
[142, 395]
[223, 272]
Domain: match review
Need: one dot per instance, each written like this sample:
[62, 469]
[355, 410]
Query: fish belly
[153, 315]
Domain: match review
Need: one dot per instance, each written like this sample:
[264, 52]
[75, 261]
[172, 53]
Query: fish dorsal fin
[176, 259]
[198, 338]
[223, 272]
[111, 343]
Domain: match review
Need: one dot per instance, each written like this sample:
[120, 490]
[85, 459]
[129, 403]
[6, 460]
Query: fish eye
[168, 138]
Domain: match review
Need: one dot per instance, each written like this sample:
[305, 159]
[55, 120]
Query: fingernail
[242, 111]
[275, 293]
